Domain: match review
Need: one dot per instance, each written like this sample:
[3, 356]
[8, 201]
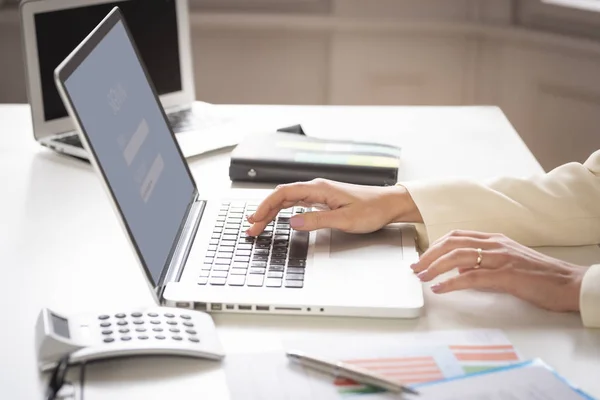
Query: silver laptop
[53, 28]
[194, 250]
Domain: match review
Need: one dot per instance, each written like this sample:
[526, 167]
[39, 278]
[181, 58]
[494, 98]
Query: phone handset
[150, 331]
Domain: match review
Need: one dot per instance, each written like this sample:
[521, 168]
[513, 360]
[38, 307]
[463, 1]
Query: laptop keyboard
[180, 121]
[275, 259]
[72, 140]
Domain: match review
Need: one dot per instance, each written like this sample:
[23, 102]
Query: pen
[345, 370]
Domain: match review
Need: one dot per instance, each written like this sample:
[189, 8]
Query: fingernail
[413, 267]
[250, 218]
[421, 275]
[436, 288]
[297, 221]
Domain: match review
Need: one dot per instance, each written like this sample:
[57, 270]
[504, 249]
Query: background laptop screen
[133, 144]
[153, 25]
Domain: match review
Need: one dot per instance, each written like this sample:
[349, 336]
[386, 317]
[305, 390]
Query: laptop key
[213, 241]
[299, 245]
[259, 264]
[243, 252]
[210, 254]
[218, 274]
[203, 280]
[297, 263]
[240, 265]
[227, 243]
[241, 259]
[260, 271]
[260, 257]
[226, 249]
[208, 260]
[236, 280]
[281, 237]
[204, 274]
[294, 277]
[218, 281]
[294, 284]
[276, 268]
[231, 231]
[274, 282]
[225, 255]
[229, 237]
[275, 274]
[222, 261]
[238, 271]
[263, 245]
[277, 261]
[261, 251]
[279, 254]
[212, 247]
[245, 246]
[215, 236]
[218, 267]
[295, 270]
[255, 280]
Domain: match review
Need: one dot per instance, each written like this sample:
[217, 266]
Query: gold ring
[479, 258]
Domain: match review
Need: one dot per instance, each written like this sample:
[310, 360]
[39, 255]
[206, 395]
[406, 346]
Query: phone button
[169, 315]
[157, 329]
[107, 332]
[103, 317]
[193, 339]
[160, 337]
[138, 322]
[122, 323]
[177, 338]
[123, 330]
[136, 314]
[109, 340]
[105, 324]
[185, 316]
[120, 315]
[143, 337]
[174, 330]
[152, 314]
[125, 338]
[140, 329]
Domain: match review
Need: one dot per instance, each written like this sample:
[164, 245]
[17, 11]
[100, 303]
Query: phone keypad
[161, 326]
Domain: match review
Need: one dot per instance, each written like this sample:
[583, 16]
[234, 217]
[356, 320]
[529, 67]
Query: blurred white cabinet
[552, 97]
[396, 68]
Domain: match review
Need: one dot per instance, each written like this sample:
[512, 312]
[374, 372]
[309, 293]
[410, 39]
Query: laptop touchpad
[381, 244]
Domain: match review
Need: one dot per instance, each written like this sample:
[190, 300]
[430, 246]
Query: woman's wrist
[402, 205]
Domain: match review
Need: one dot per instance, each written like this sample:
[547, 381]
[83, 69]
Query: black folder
[280, 157]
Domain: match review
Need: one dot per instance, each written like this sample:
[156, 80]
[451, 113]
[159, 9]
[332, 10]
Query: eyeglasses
[57, 379]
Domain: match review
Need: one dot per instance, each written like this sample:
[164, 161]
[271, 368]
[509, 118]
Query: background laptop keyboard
[180, 121]
[275, 259]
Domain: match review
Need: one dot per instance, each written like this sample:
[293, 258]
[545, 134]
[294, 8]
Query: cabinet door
[552, 96]
[260, 66]
[399, 68]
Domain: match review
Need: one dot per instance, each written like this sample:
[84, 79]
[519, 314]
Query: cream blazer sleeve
[560, 208]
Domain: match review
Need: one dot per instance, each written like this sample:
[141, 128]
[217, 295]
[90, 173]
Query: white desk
[61, 247]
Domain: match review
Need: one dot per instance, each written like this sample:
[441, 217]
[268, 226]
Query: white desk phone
[151, 331]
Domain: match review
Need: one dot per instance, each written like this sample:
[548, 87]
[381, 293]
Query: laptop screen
[133, 144]
[153, 25]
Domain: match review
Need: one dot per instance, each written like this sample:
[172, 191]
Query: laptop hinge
[186, 240]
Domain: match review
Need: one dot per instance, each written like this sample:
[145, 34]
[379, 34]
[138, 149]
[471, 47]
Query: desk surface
[62, 247]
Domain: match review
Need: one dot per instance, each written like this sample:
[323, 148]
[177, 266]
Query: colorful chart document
[411, 359]
[530, 380]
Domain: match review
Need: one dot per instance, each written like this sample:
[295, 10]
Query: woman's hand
[506, 266]
[350, 208]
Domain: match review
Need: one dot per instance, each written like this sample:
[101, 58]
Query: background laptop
[194, 252]
[53, 28]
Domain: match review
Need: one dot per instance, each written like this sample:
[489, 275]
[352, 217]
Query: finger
[288, 194]
[475, 279]
[446, 246]
[463, 257]
[258, 227]
[463, 233]
[310, 221]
